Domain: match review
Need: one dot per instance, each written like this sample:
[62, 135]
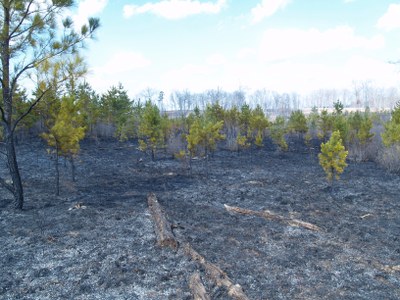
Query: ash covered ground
[105, 247]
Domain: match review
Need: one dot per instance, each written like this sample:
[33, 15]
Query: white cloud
[305, 77]
[191, 76]
[365, 68]
[267, 8]
[124, 67]
[246, 53]
[86, 9]
[287, 62]
[216, 59]
[122, 62]
[348, 1]
[174, 9]
[391, 19]
[282, 44]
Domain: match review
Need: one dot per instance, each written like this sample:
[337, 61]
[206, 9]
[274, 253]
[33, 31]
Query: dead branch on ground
[219, 277]
[271, 216]
[197, 288]
[165, 237]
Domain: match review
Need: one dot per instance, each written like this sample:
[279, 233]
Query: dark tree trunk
[7, 109]
[12, 163]
[73, 169]
[57, 172]
[206, 161]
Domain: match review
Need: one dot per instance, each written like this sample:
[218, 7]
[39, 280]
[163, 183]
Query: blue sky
[282, 45]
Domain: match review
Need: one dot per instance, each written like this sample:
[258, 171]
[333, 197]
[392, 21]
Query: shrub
[242, 142]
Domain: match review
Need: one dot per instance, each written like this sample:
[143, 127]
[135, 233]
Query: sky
[280, 45]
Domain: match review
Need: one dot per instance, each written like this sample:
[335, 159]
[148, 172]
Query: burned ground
[96, 240]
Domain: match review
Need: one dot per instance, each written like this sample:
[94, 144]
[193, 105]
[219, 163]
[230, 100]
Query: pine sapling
[333, 157]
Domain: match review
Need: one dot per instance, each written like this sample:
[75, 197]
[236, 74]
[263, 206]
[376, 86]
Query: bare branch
[29, 110]
[16, 34]
[23, 18]
[39, 60]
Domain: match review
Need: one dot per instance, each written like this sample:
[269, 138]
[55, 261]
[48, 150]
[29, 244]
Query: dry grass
[389, 158]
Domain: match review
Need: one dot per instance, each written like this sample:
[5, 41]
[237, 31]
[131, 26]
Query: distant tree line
[71, 111]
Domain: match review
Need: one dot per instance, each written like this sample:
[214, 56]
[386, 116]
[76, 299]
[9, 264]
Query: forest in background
[200, 123]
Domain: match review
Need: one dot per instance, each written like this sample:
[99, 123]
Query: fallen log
[197, 288]
[219, 277]
[271, 216]
[162, 228]
[165, 237]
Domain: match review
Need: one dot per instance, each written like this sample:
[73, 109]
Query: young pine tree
[243, 139]
[257, 125]
[278, 131]
[151, 131]
[203, 137]
[65, 134]
[391, 135]
[325, 124]
[333, 157]
[312, 125]
[297, 123]
[232, 129]
[115, 107]
[360, 125]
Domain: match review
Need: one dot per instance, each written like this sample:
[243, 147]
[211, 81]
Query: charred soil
[97, 241]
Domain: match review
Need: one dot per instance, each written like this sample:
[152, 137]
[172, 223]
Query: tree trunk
[12, 163]
[206, 161]
[57, 173]
[73, 169]
[7, 110]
